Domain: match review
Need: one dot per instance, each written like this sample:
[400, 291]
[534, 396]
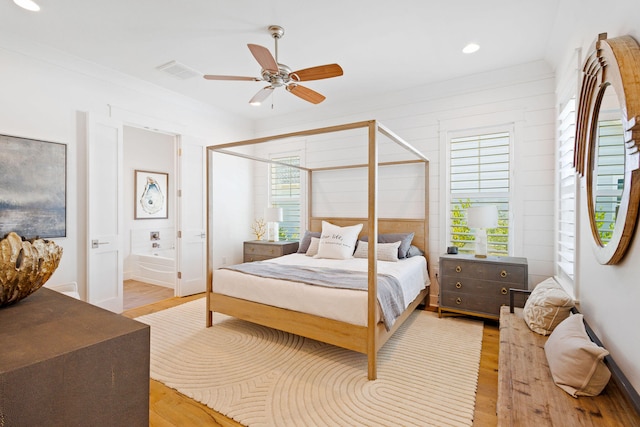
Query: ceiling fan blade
[317, 73]
[214, 77]
[306, 93]
[261, 95]
[264, 57]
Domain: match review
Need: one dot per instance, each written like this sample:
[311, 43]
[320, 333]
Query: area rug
[427, 371]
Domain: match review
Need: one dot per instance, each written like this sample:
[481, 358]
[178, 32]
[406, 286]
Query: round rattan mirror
[607, 142]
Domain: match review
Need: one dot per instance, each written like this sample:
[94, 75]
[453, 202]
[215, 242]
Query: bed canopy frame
[364, 339]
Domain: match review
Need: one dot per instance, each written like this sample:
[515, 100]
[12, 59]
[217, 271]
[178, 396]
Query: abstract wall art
[33, 187]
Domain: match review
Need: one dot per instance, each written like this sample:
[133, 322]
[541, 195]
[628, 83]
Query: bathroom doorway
[150, 271]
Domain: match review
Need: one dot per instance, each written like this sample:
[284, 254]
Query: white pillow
[576, 362]
[313, 247]
[386, 251]
[546, 307]
[338, 242]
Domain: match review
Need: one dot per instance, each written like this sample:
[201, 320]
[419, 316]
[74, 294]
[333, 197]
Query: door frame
[178, 131]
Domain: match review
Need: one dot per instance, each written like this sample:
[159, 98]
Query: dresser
[259, 250]
[65, 362]
[479, 286]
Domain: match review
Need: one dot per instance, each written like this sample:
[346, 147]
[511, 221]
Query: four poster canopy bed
[307, 304]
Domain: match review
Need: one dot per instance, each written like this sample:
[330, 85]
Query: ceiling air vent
[179, 70]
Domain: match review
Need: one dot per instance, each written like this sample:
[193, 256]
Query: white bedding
[345, 305]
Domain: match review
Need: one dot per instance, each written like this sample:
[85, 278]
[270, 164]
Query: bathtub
[157, 267]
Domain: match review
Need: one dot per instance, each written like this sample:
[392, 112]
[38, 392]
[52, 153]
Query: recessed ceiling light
[27, 4]
[470, 48]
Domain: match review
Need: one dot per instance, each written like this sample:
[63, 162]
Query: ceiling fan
[277, 74]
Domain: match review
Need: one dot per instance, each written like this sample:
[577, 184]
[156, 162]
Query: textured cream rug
[427, 372]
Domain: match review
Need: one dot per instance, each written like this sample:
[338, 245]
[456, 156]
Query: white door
[192, 238]
[105, 215]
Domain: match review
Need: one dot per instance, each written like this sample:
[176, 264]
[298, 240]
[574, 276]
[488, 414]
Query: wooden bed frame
[364, 339]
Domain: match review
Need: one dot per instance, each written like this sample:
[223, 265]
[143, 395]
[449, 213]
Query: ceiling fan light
[28, 5]
[255, 103]
[471, 48]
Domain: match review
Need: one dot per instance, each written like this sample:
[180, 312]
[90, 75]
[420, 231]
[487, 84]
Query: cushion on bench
[547, 306]
[576, 363]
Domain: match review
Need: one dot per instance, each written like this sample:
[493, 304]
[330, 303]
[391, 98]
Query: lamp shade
[482, 216]
[273, 214]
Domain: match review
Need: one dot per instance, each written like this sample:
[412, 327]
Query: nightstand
[258, 250]
[479, 286]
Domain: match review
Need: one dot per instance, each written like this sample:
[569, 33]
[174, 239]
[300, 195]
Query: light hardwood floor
[137, 294]
[168, 407]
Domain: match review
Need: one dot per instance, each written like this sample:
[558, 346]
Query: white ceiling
[383, 46]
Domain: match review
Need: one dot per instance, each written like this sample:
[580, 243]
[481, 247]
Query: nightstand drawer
[258, 249]
[252, 258]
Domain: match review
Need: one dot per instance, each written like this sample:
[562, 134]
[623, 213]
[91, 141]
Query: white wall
[42, 93]
[522, 97]
[608, 295]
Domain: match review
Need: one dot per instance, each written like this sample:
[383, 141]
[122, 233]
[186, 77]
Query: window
[567, 187]
[284, 192]
[479, 174]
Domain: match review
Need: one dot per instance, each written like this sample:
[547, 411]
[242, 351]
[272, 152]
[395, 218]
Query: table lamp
[481, 218]
[273, 216]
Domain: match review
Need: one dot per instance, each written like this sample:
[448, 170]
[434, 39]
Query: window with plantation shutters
[479, 174]
[567, 187]
[284, 192]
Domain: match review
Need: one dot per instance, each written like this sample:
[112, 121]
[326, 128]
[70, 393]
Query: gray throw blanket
[390, 295]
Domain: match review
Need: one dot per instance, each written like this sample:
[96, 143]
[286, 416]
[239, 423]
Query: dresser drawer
[462, 268]
[474, 286]
[506, 273]
[468, 303]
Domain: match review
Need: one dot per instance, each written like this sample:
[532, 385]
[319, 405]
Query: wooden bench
[527, 395]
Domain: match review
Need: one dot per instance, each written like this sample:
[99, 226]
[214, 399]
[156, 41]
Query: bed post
[373, 249]
[209, 317]
[427, 301]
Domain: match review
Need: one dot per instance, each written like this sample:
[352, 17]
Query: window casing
[480, 174]
[284, 192]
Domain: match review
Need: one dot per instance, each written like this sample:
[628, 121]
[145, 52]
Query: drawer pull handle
[504, 291]
[458, 300]
[503, 274]
[458, 269]
[458, 285]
